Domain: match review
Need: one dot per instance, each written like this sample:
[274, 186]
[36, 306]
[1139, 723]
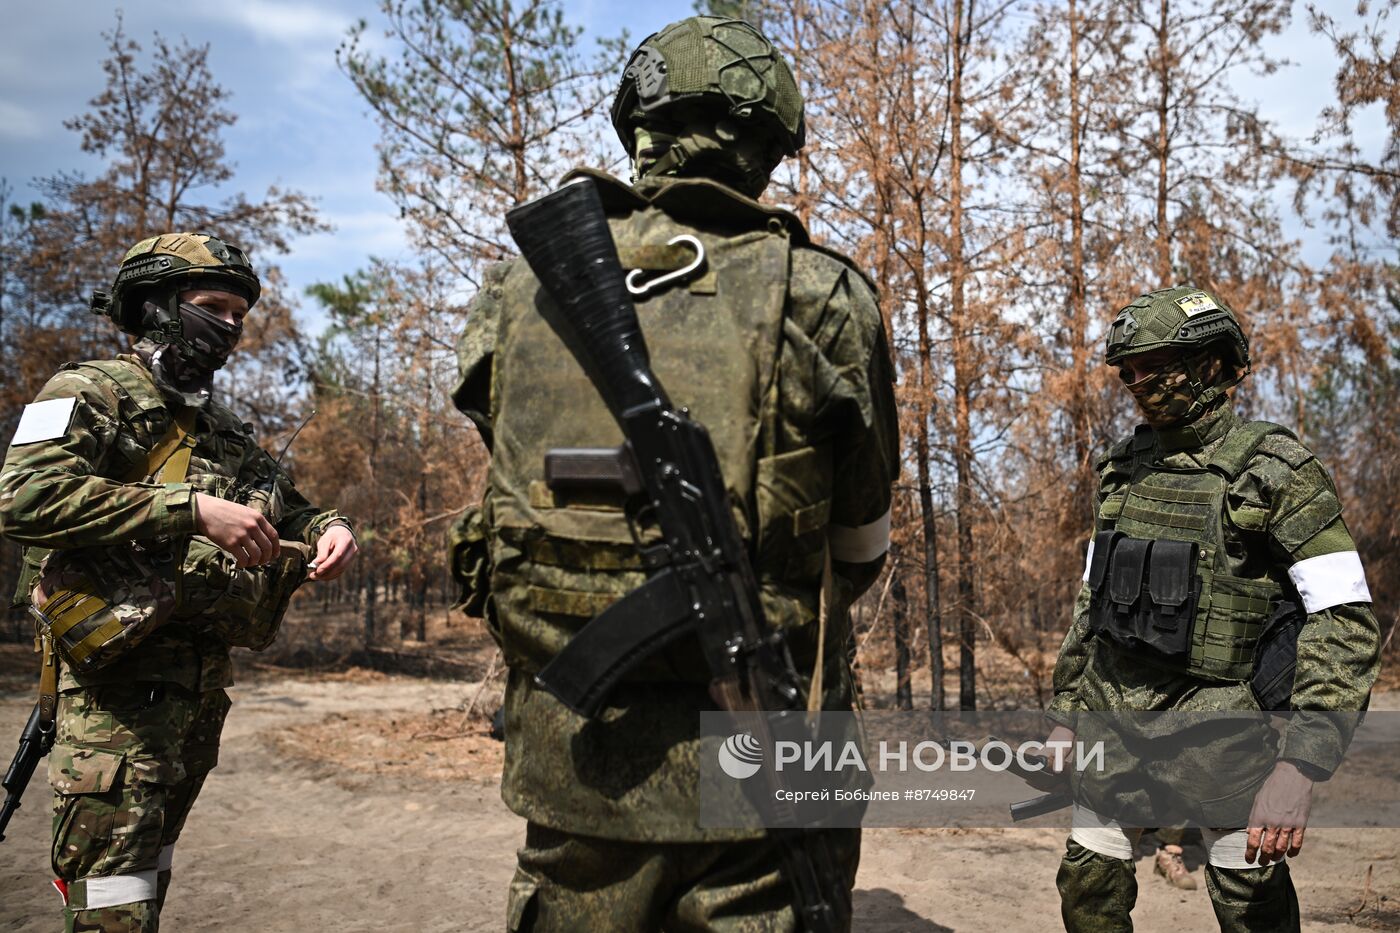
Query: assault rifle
[699, 576]
[34, 743]
[1041, 778]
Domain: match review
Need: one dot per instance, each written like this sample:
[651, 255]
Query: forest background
[1009, 173]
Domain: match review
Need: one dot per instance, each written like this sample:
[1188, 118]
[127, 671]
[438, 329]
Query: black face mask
[209, 339]
[199, 341]
[194, 344]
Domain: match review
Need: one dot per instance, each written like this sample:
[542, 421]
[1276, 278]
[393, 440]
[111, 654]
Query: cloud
[357, 235]
[16, 122]
[293, 24]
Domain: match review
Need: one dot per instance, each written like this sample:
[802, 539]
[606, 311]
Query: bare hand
[1057, 748]
[1280, 815]
[334, 552]
[241, 531]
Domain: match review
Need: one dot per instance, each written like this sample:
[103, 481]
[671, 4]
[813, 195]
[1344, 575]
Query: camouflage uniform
[780, 351]
[777, 347]
[1269, 525]
[136, 737]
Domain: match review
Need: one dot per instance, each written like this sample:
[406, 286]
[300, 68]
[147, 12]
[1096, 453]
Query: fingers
[1057, 746]
[1251, 848]
[238, 529]
[327, 561]
[255, 542]
[262, 542]
[1271, 843]
[333, 555]
[1270, 850]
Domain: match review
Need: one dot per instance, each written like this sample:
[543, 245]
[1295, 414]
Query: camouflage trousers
[1097, 894]
[567, 882]
[127, 764]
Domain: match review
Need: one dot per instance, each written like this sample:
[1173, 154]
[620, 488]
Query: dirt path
[368, 833]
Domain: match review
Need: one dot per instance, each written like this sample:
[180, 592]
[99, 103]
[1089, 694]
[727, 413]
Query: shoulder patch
[44, 421]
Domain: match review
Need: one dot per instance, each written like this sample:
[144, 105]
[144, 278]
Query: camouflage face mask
[1169, 395]
[710, 150]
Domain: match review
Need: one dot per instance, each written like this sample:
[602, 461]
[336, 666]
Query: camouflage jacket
[71, 489]
[779, 349]
[1282, 519]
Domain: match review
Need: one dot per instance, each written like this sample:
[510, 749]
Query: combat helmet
[1184, 317]
[1192, 321]
[711, 65]
[160, 267]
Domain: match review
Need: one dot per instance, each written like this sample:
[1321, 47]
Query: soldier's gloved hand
[241, 531]
[1280, 815]
[334, 552]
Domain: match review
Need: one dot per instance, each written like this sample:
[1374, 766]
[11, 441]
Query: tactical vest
[141, 408]
[558, 560]
[103, 601]
[1158, 574]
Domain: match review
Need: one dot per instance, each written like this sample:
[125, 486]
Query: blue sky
[301, 124]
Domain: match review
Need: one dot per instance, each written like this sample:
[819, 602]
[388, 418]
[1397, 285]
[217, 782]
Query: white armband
[1330, 580]
[862, 544]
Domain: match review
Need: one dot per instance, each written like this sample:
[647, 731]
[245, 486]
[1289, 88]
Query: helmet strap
[1204, 397]
[160, 319]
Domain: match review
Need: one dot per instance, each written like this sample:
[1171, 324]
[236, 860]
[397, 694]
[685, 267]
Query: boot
[1169, 865]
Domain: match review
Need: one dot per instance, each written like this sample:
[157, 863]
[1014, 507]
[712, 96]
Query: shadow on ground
[880, 910]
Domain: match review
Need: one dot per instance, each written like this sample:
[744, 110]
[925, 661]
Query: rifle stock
[564, 236]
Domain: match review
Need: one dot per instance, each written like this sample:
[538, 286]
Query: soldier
[1264, 517]
[777, 346]
[155, 528]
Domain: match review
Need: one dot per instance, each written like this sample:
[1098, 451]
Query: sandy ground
[327, 813]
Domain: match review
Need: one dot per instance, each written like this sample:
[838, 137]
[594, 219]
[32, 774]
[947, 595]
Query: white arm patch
[44, 421]
[1088, 560]
[860, 545]
[1330, 580]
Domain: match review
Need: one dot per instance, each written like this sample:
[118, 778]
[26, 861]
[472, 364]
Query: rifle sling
[814, 693]
[48, 683]
[629, 630]
[169, 459]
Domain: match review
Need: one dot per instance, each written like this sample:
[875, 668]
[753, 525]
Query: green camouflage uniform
[1278, 532]
[779, 350]
[136, 738]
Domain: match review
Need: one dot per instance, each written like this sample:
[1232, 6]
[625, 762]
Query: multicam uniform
[1265, 519]
[779, 349]
[136, 737]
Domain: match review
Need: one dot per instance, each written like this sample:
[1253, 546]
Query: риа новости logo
[740, 756]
